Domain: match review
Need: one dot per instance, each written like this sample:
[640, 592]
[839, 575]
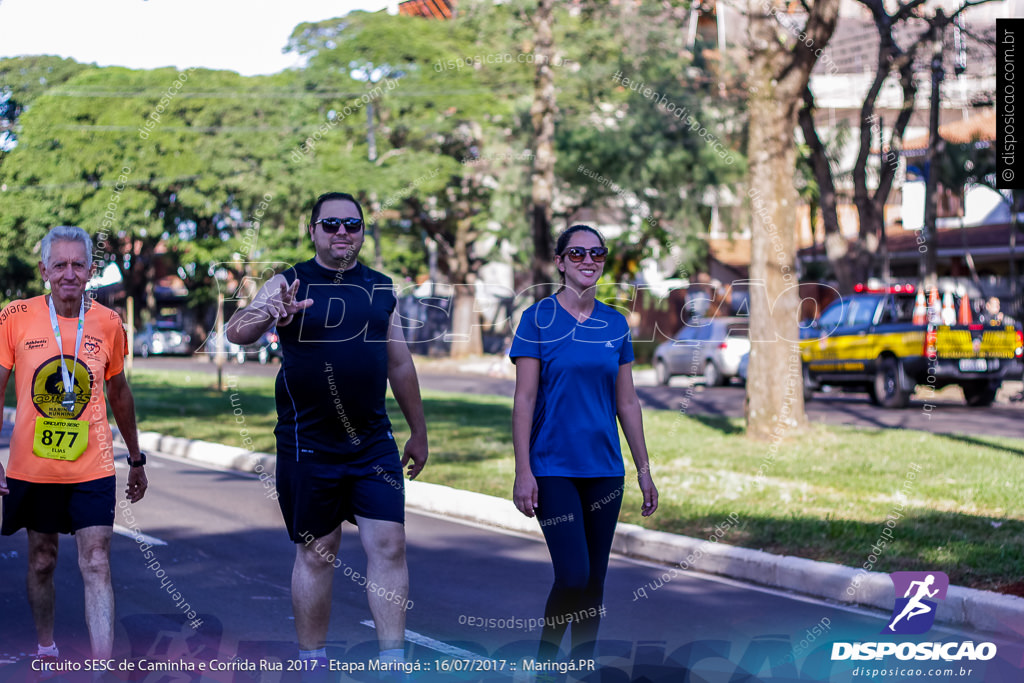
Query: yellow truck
[876, 341]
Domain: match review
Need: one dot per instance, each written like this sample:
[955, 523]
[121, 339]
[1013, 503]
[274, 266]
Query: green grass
[189, 405]
[825, 496]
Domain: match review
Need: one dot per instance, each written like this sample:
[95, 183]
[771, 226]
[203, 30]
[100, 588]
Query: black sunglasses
[332, 225]
[577, 254]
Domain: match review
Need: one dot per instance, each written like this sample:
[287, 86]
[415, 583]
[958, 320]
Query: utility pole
[883, 239]
[929, 262]
[542, 114]
[370, 75]
[1015, 207]
[371, 153]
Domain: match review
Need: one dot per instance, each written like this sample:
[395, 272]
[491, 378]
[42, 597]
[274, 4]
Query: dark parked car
[161, 337]
[264, 349]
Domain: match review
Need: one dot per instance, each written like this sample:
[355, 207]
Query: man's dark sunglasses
[577, 254]
[332, 225]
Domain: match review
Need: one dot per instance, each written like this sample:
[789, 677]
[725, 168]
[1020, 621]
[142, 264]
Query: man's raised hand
[282, 304]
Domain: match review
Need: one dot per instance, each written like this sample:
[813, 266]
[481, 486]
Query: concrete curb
[230, 457]
[975, 609]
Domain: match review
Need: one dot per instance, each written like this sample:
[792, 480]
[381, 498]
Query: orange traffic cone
[920, 313]
[948, 314]
[933, 305]
[964, 315]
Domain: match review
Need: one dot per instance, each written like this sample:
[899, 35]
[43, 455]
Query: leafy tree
[457, 102]
[429, 118]
[22, 79]
[858, 259]
[616, 146]
[158, 165]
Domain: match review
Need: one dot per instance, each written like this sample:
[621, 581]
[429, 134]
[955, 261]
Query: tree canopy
[201, 173]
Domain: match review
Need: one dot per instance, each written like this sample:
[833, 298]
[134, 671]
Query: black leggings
[578, 517]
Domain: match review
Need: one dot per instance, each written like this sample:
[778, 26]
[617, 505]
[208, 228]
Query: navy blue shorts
[316, 497]
[58, 508]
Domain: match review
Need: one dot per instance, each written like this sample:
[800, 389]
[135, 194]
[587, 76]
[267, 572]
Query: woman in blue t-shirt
[573, 357]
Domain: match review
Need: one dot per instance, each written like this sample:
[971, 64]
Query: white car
[161, 337]
[711, 347]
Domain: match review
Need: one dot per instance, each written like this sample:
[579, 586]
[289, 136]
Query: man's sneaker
[549, 677]
[318, 673]
[43, 670]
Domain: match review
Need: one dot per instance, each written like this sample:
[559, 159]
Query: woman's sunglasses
[577, 254]
[332, 225]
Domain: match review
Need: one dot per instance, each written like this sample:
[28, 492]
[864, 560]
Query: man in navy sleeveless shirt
[336, 456]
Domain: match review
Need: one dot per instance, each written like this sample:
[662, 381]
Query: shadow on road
[853, 410]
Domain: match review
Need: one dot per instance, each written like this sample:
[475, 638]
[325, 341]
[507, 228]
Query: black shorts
[316, 497]
[58, 508]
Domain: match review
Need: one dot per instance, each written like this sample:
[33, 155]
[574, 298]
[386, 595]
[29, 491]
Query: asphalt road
[227, 555]
[946, 415]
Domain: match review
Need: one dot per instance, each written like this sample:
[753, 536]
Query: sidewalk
[968, 607]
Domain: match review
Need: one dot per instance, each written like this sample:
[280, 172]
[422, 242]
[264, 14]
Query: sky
[238, 35]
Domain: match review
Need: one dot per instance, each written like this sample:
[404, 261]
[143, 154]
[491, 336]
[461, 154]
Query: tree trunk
[466, 339]
[778, 76]
[139, 278]
[837, 251]
[773, 406]
[542, 113]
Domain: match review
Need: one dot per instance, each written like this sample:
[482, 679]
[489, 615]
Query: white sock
[313, 654]
[395, 655]
[48, 650]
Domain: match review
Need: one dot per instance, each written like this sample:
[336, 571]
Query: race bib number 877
[60, 439]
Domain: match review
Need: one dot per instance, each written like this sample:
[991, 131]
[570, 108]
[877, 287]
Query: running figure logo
[914, 613]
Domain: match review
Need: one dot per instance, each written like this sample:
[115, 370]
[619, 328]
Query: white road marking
[145, 538]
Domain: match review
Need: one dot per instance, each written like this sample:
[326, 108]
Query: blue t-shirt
[334, 366]
[574, 431]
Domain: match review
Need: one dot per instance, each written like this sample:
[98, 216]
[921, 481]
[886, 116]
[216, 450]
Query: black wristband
[137, 463]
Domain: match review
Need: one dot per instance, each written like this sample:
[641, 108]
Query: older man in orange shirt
[62, 347]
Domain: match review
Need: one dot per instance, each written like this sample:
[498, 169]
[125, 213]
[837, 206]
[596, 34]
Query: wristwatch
[137, 463]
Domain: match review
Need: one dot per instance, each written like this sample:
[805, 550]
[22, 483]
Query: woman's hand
[524, 494]
[650, 492]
